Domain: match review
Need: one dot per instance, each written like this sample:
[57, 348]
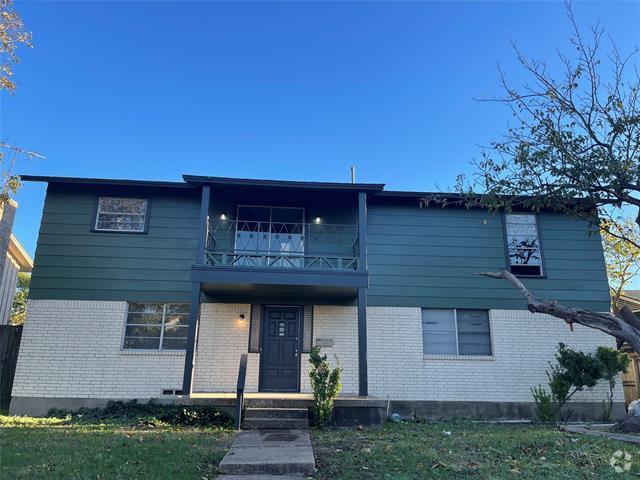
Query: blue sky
[151, 90]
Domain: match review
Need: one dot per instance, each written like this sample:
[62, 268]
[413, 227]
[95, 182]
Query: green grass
[131, 448]
[472, 450]
[70, 448]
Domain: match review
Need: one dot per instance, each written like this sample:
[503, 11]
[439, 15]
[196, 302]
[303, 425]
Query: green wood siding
[429, 258]
[416, 257]
[72, 262]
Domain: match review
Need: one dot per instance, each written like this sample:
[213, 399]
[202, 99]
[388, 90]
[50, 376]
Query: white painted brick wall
[222, 338]
[72, 349]
[523, 343]
[341, 325]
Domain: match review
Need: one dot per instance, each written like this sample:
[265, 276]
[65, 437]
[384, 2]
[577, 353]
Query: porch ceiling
[290, 294]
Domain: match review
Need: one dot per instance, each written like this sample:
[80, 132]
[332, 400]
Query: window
[116, 214]
[523, 244]
[455, 332]
[277, 233]
[157, 326]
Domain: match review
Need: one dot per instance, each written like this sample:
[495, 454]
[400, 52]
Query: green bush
[151, 413]
[612, 362]
[325, 384]
[574, 372]
[544, 404]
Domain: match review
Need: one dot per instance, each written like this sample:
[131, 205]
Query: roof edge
[104, 181]
[22, 258]
[202, 179]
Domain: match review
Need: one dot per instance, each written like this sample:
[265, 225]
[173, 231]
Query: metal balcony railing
[241, 243]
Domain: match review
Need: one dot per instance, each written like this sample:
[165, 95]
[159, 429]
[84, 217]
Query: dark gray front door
[280, 361]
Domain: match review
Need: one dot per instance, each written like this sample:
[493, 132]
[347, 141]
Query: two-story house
[148, 289]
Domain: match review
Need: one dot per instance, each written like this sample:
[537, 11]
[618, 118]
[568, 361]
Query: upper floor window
[157, 326]
[523, 244]
[116, 214]
[452, 331]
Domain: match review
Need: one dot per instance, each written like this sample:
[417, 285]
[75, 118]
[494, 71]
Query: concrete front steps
[270, 418]
[269, 455]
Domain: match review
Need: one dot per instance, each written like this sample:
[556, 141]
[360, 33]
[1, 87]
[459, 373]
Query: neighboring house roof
[631, 299]
[20, 255]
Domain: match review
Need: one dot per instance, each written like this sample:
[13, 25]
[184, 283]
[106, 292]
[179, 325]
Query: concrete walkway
[269, 455]
[629, 438]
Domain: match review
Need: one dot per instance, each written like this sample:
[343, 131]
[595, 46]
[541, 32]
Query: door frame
[263, 332]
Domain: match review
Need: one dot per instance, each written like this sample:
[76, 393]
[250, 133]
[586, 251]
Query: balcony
[280, 245]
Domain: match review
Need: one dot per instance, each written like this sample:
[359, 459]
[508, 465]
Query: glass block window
[448, 331]
[254, 328]
[157, 326]
[523, 244]
[307, 329]
[115, 214]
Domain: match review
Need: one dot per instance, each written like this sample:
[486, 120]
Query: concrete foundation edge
[349, 414]
[443, 410]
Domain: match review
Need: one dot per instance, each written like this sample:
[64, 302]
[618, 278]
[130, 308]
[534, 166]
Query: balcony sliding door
[270, 236]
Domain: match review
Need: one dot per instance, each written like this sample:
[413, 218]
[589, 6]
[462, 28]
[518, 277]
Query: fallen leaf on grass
[366, 450]
[438, 465]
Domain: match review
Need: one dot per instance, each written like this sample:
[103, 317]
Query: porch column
[205, 202]
[363, 388]
[194, 312]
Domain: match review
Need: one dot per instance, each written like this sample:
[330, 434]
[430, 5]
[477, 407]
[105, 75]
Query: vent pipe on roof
[353, 174]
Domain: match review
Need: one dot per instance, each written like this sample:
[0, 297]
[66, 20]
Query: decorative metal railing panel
[282, 245]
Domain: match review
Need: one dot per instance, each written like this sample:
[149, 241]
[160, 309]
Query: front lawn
[55, 448]
[466, 450]
[128, 448]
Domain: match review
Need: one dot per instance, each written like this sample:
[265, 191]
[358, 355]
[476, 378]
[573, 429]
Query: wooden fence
[9, 346]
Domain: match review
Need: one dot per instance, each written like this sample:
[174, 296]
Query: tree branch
[621, 328]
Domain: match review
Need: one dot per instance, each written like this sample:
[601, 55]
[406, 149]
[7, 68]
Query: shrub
[612, 362]
[574, 372]
[151, 413]
[544, 404]
[326, 385]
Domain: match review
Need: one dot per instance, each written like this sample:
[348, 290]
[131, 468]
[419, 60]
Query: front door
[280, 359]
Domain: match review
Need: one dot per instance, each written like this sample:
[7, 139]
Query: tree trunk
[625, 327]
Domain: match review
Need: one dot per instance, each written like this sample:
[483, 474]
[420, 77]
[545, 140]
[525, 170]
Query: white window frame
[539, 249]
[162, 327]
[143, 215]
[455, 327]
